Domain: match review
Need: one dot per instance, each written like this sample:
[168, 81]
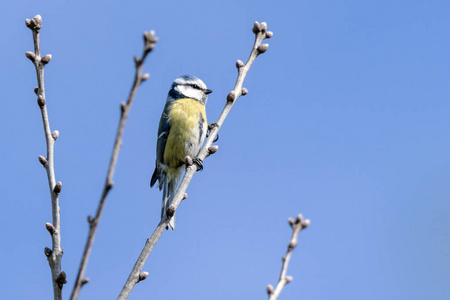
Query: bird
[182, 130]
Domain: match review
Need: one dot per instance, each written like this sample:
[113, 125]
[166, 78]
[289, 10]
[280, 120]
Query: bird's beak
[208, 91]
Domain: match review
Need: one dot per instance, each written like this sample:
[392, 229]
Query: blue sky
[345, 122]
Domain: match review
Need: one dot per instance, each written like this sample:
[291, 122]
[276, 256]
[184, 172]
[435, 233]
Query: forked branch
[53, 255]
[261, 33]
[149, 43]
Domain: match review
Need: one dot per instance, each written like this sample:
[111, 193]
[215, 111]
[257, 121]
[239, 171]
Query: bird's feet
[210, 127]
[199, 163]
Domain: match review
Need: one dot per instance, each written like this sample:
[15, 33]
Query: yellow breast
[187, 119]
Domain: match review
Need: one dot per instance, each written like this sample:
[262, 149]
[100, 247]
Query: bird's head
[188, 86]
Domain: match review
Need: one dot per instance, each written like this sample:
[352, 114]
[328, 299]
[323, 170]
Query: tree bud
[55, 134]
[47, 252]
[50, 228]
[263, 26]
[231, 96]
[58, 187]
[42, 160]
[256, 28]
[262, 48]
[46, 59]
[143, 276]
[30, 55]
[239, 64]
[41, 101]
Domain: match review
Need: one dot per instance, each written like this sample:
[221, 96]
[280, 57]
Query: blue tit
[182, 130]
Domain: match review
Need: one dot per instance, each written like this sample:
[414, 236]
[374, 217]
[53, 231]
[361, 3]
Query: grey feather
[168, 193]
[163, 133]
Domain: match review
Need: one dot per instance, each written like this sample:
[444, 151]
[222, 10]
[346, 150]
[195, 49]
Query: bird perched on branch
[182, 130]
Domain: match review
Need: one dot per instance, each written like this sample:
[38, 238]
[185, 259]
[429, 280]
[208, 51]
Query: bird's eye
[195, 86]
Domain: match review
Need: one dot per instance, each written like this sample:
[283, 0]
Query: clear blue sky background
[346, 121]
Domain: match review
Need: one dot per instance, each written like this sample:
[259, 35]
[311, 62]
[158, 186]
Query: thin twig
[297, 225]
[54, 255]
[149, 43]
[261, 33]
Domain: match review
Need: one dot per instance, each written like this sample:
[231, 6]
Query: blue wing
[163, 133]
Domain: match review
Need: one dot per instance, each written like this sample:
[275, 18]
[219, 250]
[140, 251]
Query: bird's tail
[170, 187]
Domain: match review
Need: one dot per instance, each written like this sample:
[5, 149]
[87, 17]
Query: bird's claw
[199, 163]
[210, 127]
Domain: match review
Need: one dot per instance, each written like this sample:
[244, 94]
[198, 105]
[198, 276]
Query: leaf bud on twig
[84, 281]
[231, 96]
[41, 101]
[46, 59]
[37, 22]
[262, 48]
[149, 47]
[239, 64]
[109, 184]
[244, 91]
[150, 37]
[212, 149]
[145, 77]
[292, 245]
[36, 90]
[185, 196]
[288, 279]
[55, 134]
[42, 160]
[123, 106]
[58, 187]
[263, 26]
[50, 228]
[38, 19]
[47, 252]
[269, 34]
[299, 218]
[306, 223]
[61, 279]
[291, 222]
[30, 55]
[256, 28]
[142, 276]
[269, 289]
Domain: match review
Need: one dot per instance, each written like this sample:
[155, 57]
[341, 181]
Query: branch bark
[297, 225]
[261, 33]
[53, 255]
[149, 43]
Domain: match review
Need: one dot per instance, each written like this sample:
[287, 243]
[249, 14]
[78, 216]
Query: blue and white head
[188, 86]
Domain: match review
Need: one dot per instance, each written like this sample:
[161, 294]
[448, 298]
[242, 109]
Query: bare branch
[54, 255]
[297, 225]
[133, 278]
[149, 43]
